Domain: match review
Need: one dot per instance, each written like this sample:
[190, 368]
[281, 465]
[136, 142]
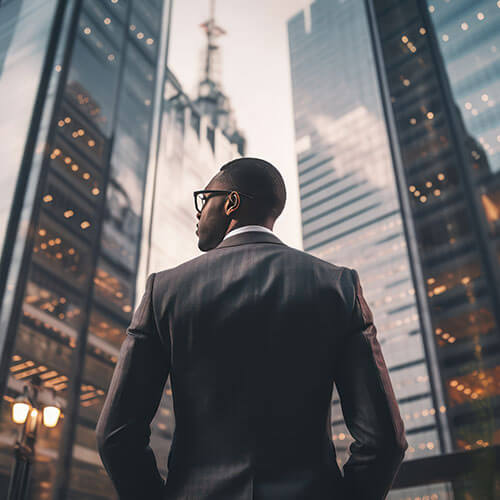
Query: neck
[234, 224]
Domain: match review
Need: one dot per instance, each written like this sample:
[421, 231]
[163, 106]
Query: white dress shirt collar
[246, 229]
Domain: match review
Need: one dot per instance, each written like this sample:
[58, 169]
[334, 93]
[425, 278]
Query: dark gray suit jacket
[253, 334]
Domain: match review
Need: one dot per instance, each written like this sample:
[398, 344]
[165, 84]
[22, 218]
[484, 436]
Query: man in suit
[253, 334]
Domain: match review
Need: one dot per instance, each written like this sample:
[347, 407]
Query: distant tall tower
[211, 100]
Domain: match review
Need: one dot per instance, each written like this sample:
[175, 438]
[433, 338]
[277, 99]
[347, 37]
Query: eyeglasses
[200, 197]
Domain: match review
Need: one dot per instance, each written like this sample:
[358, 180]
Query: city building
[397, 123]
[81, 91]
[191, 152]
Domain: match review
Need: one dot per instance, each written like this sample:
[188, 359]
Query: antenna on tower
[213, 31]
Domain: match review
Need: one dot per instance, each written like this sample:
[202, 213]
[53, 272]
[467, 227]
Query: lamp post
[26, 411]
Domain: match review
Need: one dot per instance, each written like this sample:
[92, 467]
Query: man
[253, 334]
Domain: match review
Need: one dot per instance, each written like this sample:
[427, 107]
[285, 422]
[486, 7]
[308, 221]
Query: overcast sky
[256, 77]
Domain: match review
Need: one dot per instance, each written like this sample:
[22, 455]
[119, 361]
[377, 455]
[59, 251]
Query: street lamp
[25, 411]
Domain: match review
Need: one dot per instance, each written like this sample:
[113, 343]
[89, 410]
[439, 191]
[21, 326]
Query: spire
[213, 31]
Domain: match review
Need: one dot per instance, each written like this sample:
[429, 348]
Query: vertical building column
[438, 394]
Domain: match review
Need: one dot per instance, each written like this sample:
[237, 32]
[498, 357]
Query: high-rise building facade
[191, 152]
[396, 125]
[81, 89]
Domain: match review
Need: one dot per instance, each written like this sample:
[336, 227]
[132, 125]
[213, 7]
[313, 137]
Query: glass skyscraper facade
[81, 82]
[397, 127]
[349, 202]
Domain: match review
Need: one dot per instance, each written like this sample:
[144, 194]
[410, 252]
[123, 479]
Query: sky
[255, 74]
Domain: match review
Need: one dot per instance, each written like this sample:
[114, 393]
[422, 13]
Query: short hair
[257, 178]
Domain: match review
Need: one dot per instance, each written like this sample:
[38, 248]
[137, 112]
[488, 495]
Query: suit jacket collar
[249, 237]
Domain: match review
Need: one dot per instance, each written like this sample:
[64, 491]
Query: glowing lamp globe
[20, 410]
[51, 416]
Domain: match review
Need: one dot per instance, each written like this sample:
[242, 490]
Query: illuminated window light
[87, 30]
[404, 39]
[91, 143]
[437, 192]
[42, 232]
[464, 26]
[428, 184]
[86, 175]
[431, 281]
[58, 68]
[412, 188]
[68, 214]
[74, 134]
[107, 20]
[114, 1]
[71, 251]
[422, 31]
[147, 102]
[432, 8]
[111, 57]
[85, 224]
[58, 241]
[127, 308]
[406, 82]
[417, 193]
[480, 16]
[68, 160]
[150, 41]
[133, 27]
[475, 112]
[484, 98]
[95, 191]
[61, 123]
[81, 132]
[430, 115]
[47, 198]
[445, 37]
[75, 167]
[468, 105]
[423, 198]
[140, 35]
[413, 121]
[67, 119]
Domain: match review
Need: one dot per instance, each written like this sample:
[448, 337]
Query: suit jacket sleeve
[369, 405]
[123, 429]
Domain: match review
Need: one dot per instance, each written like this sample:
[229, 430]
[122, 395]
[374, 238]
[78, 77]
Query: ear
[232, 203]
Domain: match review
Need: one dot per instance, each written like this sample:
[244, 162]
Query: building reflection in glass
[80, 281]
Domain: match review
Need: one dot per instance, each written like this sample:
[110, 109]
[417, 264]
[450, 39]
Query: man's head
[254, 194]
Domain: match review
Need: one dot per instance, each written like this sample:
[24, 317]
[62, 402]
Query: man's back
[253, 334]
[254, 329]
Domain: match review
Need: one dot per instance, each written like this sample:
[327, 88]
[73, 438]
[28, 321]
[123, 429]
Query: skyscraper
[81, 86]
[397, 180]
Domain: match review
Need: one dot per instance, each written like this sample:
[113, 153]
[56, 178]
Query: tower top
[213, 31]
